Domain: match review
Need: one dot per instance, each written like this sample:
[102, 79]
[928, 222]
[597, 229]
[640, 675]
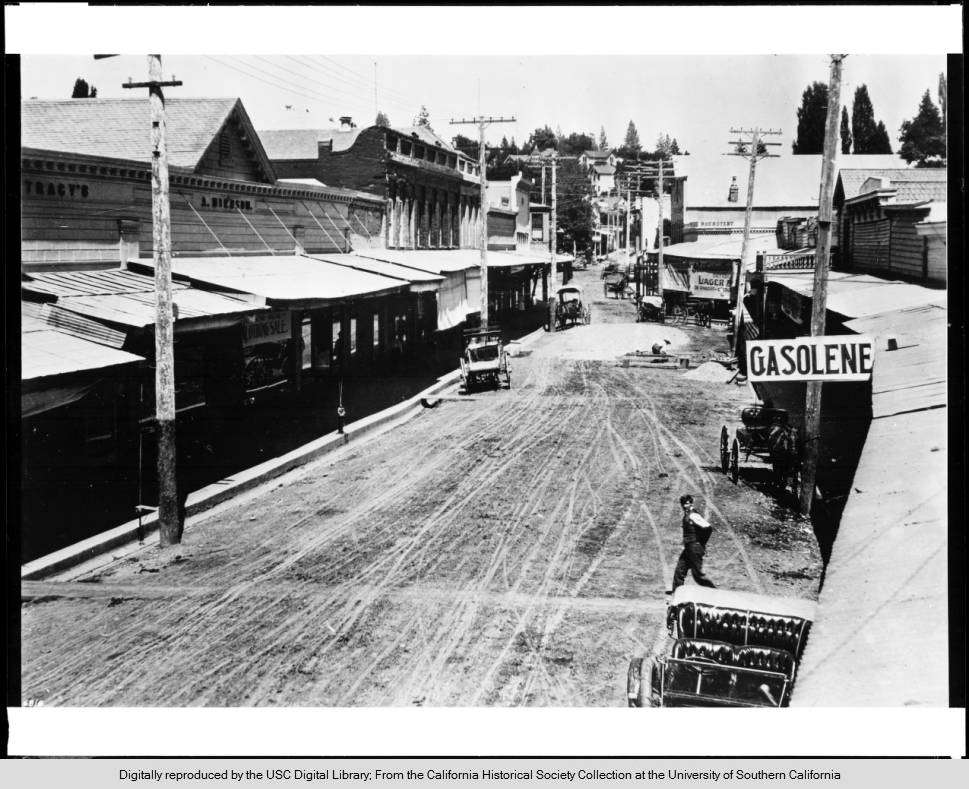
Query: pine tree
[423, 118]
[863, 126]
[880, 142]
[382, 120]
[603, 142]
[923, 137]
[811, 117]
[674, 148]
[82, 90]
[943, 99]
[631, 145]
[845, 132]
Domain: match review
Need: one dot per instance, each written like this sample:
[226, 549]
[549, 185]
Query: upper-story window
[441, 157]
[451, 161]
[391, 143]
[419, 151]
[405, 147]
[431, 154]
[225, 147]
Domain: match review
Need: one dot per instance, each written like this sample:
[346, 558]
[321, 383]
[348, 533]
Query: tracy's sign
[842, 358]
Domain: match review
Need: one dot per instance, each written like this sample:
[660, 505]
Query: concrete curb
[208, 497]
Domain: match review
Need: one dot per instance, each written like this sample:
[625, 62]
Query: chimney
[346, 122]
[734, 192]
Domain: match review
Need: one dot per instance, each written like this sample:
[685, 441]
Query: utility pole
[553, 264]
[168, 526]
[812, 405]
[629, 210]
[482, 121]
[754, 154]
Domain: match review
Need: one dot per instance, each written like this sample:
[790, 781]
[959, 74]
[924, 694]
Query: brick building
[429, 189]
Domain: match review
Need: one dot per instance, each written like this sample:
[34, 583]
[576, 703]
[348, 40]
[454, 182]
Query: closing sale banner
[847, 358]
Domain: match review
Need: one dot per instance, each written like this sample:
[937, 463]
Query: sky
[707, 68]
[696, 99]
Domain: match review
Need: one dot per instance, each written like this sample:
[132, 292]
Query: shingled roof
[287, 144]
[912, 183]
[120, 128]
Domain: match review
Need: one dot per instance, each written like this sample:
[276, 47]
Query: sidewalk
[133, 533]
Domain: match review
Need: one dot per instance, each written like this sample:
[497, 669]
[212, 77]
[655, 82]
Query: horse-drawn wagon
[569, 309]
[766, 433]
[485, 361]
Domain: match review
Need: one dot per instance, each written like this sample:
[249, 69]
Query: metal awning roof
[128, 297]
[47, 352]
[420, 281]
[914, 376]
[285, 280]
[856, 295]
[435, 261]
[881, 633]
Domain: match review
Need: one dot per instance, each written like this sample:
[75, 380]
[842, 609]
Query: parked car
[730, 649]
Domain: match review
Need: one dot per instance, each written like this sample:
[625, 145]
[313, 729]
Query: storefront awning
[46, 352]
[674, 277]
[127, 298]
[420, 281]
[290, 281]
[436, 261]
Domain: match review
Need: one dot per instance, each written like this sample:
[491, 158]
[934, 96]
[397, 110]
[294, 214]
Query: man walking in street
[696, 532]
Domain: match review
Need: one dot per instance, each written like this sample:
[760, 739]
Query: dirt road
[510, 549]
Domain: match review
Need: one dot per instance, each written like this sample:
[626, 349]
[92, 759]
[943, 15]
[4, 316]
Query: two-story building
[429, 189]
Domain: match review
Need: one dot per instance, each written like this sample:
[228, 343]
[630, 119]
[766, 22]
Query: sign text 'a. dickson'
[841, 358]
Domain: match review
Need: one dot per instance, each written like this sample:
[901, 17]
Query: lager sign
[710, 284]
[847, 358]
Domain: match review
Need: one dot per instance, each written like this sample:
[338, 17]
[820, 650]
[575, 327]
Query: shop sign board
[828, 358]
[710, 284]
[266, 327]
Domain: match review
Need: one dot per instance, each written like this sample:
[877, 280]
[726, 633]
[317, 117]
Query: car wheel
[634, 683]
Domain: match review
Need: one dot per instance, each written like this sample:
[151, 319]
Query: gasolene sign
[841, 358]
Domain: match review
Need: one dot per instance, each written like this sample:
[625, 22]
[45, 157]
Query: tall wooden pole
[659, 244]
[629, 209]
[553, 263]
[742, 265]
[483, 197]
[482, 164]
[812, 405]
[168, 526]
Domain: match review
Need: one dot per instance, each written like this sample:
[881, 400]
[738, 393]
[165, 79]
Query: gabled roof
[120, 128]
[785, 182]
[601, 154]
[851, 179]
[604, 169]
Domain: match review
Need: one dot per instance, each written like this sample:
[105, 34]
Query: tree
[574, 210]
[423, 118]
[630, 146]
[666, 147]
[603, 142]
[811, 117]
[513, 148]
[382, 120]
[83, 91]
[466, 145]
[923, 137]
[674, 148]
[880, 142]
[541, 139]
[845, 132]
[575, 144]
[864, 130]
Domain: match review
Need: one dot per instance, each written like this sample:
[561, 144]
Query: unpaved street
[508, 549]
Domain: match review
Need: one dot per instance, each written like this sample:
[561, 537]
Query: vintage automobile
[766, 434]
[485, 361]
[569, 309]
[730, 649]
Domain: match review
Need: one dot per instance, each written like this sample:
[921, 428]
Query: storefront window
[376, 330]
[353, 336]
[307, 335]
[189, 376]
[266, 343]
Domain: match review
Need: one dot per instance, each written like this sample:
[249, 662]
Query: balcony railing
[787, 261]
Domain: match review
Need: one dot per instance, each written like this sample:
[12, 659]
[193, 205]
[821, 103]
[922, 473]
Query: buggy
[615, 283]
[485, 361]
[650, 308]
[730, 649]
[569, 309]
[767, 434]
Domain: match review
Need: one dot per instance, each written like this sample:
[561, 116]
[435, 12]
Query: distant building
[892, 223]
[430, 189]
[603, 178]
[509, 214]
[709, 193]
[591, 158]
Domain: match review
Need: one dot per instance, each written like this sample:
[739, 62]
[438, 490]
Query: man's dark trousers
[691, 560]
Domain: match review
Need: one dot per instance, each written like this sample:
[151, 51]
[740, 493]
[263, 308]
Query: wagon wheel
[724, 449]
[734, 461]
